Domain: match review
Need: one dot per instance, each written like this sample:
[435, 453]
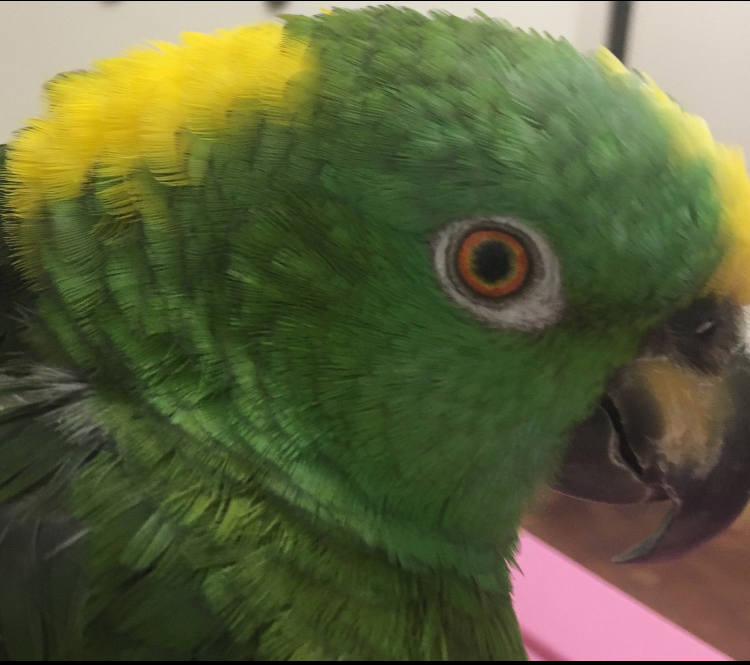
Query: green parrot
[298, 316]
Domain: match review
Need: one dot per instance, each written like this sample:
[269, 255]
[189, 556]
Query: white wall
[699, 52]
[41, 39]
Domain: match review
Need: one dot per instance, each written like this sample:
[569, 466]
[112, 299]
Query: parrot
[297, 317]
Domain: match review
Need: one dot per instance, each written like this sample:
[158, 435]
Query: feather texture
[239, 418]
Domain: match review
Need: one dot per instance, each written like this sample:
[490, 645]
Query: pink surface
[568, 613]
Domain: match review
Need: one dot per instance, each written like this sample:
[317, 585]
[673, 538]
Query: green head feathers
[244, 235]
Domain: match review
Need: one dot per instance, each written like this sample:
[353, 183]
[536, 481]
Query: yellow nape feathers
[134, 111]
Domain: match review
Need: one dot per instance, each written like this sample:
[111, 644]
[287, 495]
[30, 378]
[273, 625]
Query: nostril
[704, 335]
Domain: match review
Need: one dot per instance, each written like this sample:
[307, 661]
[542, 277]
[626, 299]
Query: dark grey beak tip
[648, 550]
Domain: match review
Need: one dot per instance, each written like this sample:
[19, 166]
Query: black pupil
[492, 261]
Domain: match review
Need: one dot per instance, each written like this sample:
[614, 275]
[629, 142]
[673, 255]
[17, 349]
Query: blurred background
[696, 51]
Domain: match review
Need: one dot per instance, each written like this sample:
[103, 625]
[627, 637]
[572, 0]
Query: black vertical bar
[618, 28]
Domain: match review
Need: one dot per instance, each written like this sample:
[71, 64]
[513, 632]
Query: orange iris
[493, 263]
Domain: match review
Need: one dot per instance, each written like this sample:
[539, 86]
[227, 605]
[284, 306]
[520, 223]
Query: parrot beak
[674, 425]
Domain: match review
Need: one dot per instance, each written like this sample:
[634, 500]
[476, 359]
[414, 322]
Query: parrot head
[539, 262]
[441, 259]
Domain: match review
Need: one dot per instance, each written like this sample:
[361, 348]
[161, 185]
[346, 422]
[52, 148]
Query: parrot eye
[492, 263]
[504, 273]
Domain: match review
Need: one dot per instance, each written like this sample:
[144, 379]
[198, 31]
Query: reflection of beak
[675, 424]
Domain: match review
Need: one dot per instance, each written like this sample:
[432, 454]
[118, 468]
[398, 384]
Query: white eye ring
[536, 305]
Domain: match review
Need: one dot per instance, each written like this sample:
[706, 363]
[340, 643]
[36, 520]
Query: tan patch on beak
[693, 407]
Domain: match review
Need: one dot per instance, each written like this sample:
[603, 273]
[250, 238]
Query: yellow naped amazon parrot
[297, 316]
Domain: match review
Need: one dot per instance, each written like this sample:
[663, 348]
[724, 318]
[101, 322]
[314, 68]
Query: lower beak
[668, 430]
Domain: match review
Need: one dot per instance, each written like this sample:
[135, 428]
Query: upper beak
[673, 425]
